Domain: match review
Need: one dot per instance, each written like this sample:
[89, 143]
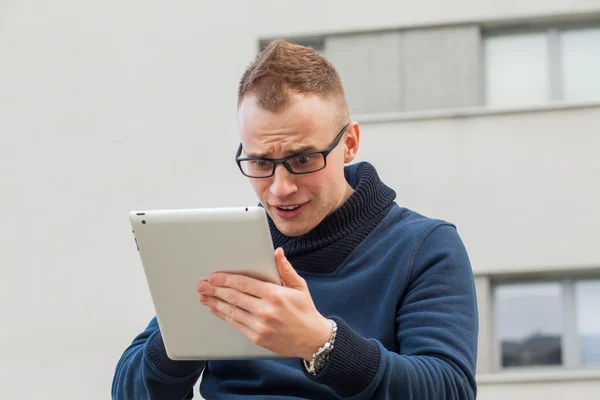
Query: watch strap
[322, 355]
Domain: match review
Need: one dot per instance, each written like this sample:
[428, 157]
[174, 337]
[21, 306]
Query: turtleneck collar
[325, 247]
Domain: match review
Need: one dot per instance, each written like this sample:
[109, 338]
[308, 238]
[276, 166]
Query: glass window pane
[587, 297]
[517, 70]
[580, 52]
[529, 324]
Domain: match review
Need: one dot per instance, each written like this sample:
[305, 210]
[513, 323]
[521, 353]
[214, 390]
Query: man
[378, 302]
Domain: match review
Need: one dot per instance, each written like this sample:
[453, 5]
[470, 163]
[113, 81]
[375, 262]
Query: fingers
[230, 311]
[249, 325]
[232, 314]
[241, 283]
[231, 296]
[245, 330]
[229, 304]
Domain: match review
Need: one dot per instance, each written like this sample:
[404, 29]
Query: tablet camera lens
[246, 208]
[143, 221]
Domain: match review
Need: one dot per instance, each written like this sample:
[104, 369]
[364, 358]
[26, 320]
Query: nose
[283, 183]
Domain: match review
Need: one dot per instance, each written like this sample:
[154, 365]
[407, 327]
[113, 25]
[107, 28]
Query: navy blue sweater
[401, 289]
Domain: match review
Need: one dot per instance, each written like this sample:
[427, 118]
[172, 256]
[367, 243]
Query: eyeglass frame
[284, 160]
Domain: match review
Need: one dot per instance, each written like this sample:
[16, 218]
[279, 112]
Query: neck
[346, 194]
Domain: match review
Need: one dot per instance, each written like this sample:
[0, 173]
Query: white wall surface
[585, 390]
[111, 106]
[523, 189]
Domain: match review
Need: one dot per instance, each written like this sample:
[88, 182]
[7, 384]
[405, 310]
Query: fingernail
[202, 287]
[203, 298]
[211, 279]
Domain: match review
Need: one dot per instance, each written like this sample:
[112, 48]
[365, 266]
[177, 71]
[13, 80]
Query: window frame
[552, 31]
[570, 341]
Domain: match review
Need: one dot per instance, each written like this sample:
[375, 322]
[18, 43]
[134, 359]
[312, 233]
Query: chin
[292, 229]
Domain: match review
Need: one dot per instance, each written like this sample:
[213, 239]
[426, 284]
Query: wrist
[320, 335]
[323, 353]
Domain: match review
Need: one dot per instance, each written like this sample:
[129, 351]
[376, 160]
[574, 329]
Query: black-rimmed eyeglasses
[303, 163]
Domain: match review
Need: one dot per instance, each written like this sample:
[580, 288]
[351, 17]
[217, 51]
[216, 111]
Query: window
[545, 324]
[580, 58]
[587, 300]
[530, 325]
[542, 66]
[517, 69]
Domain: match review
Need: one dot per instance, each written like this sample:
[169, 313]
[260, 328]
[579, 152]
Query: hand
[283, 319]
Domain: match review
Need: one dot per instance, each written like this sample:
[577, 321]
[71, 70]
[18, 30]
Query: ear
[351, 142]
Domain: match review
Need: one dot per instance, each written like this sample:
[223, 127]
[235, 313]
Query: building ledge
[374, 118]
[542, 375]
[516, 272]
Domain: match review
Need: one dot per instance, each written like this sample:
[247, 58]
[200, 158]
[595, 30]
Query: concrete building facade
[482, 113]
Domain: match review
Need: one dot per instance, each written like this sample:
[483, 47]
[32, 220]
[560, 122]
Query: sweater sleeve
[436, 325]
[145, 372]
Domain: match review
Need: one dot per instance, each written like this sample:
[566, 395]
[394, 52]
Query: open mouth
[289, 211]
[289, 208]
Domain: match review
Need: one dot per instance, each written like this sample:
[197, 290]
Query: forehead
[308, 123]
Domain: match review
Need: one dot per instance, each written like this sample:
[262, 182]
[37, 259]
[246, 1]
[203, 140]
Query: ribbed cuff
[353, 364]
[158, 356]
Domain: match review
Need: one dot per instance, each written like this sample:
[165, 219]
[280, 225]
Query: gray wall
[442, 68]
[409, 70]
[521, 187]
[372, 70]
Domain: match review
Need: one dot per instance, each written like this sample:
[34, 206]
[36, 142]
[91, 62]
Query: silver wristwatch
[320, 358]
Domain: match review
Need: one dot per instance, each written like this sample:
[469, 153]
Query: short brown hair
[283, 68]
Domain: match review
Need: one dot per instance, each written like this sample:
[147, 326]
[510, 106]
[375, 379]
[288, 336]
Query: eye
[261, 163]
[303, 159]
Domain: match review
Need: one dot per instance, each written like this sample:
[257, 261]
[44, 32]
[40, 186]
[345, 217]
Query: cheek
[260, 186]
[320, 183]
[332, 182]
[334, 172]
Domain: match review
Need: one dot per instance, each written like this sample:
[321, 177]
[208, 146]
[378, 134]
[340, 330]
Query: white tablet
[178, 248]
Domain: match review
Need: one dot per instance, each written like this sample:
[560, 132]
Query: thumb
[287, 273]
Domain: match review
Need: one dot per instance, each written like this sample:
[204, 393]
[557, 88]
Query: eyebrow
[297, 150]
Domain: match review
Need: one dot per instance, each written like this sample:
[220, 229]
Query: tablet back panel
[178, 248]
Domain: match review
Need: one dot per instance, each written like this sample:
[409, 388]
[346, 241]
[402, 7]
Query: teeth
[289, 208]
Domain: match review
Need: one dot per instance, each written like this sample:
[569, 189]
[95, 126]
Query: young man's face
[309, 123]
